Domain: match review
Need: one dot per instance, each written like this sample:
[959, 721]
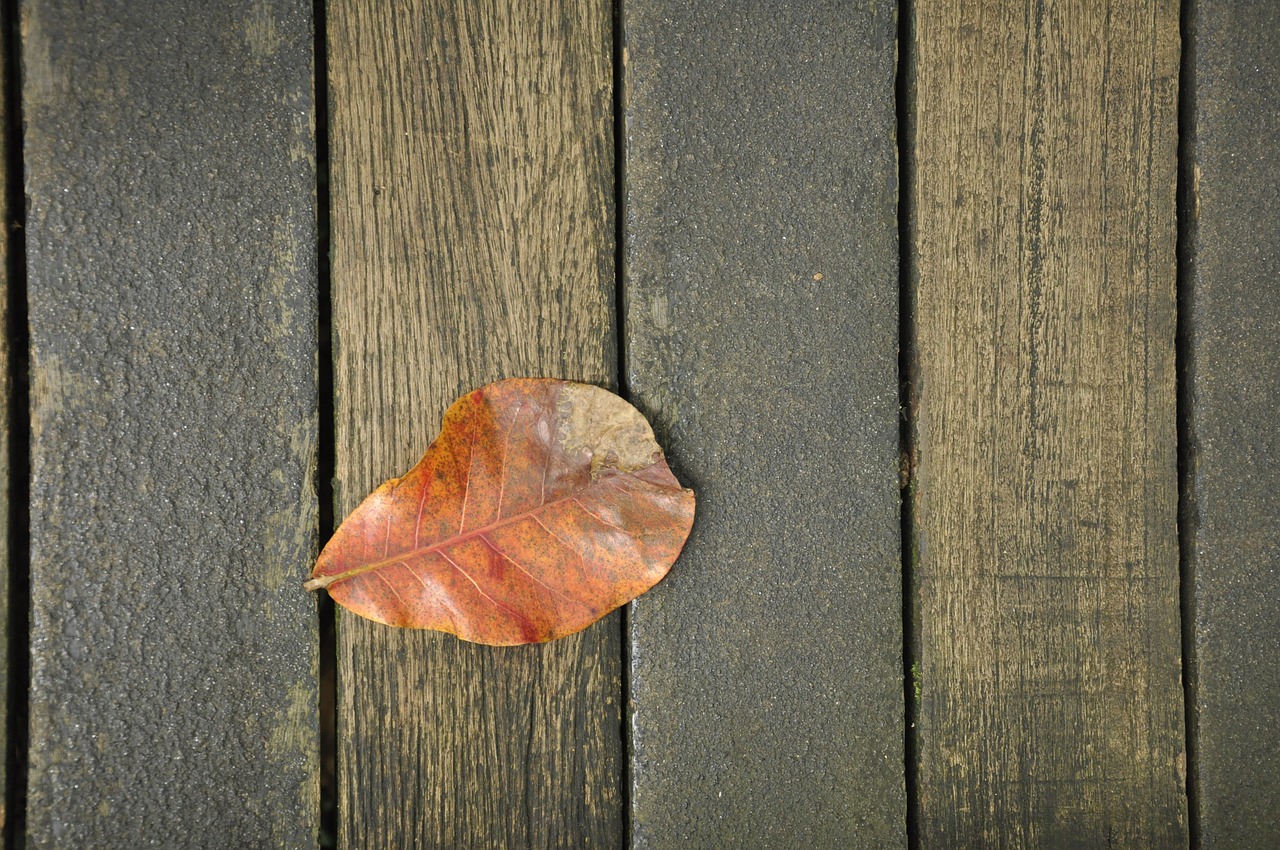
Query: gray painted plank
[171, 244]
[761, 325]
[1234, 517]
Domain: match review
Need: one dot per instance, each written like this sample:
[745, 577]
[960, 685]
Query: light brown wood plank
[472, 174]
[1045, 482]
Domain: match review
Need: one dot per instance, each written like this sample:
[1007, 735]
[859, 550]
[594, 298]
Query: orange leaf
[542, 506]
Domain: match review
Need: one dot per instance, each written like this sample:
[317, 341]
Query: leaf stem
[321, 582]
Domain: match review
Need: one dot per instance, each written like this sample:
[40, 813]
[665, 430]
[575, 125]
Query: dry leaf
[542, 506]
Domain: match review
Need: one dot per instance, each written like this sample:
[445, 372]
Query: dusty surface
[172, 288]
[1234, 518]
[761, 326]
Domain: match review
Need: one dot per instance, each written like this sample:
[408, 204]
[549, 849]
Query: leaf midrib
[326, 580]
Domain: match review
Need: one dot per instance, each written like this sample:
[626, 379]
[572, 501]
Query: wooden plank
[761, 328]
[171, 245]
[1046, 478]
[472, 181]
[1233, 522]
[8, 217]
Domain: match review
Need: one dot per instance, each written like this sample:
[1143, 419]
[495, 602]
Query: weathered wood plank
[171, 246]
[7, 216]
[761, 329]
[472, 236]
[1045, 482]
[1233, 324]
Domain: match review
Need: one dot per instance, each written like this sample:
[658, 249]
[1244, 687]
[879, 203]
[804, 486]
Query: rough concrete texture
[760, 301]
[1233, 517]
[171, 242]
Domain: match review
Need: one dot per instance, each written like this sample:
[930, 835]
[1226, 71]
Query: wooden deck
[960, 317]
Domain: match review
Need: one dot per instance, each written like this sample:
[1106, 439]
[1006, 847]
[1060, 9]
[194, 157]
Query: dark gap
[619, 313]
[1185, 366]
[19, 447]
[619, 201]
[326, 453]
[904, 104]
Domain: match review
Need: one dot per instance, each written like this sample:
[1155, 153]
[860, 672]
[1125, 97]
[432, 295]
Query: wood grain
[1045, 486]
[762, 326]
[171, 245]
[1232, 321]
[472, 177]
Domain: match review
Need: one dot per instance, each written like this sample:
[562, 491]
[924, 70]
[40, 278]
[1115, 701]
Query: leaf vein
[495, 603]
[563, 542]
[485, 539]
[506, 449]
[600, 519]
